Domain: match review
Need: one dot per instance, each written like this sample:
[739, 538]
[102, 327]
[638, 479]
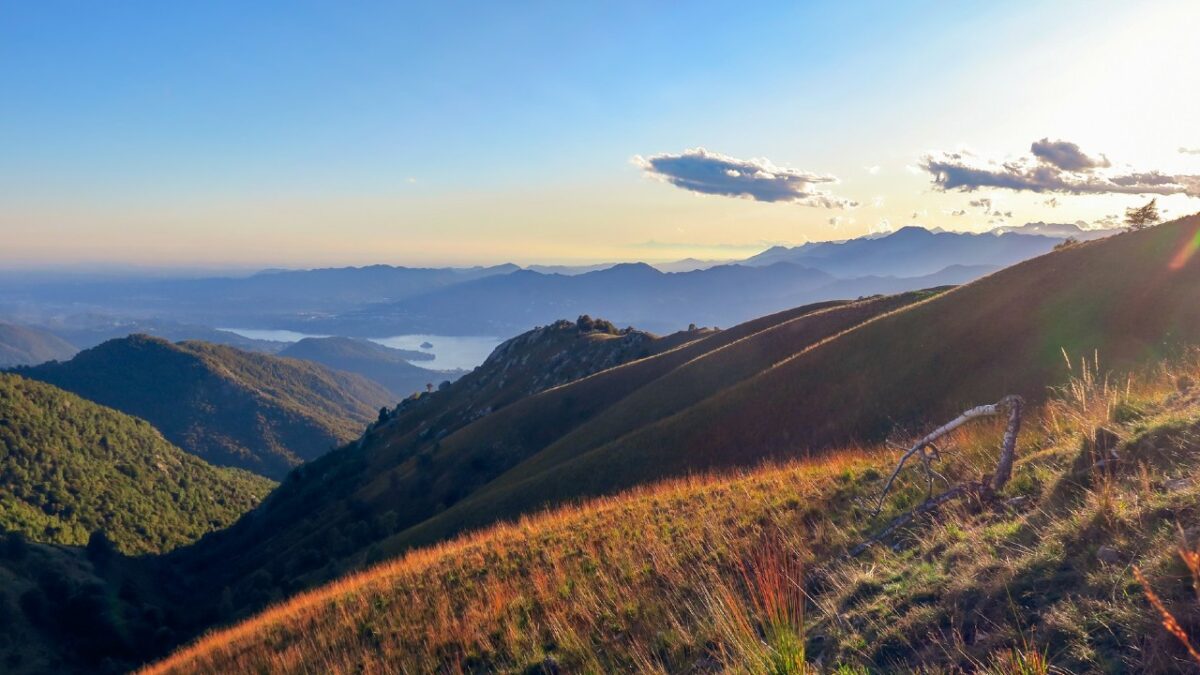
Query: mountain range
[382, 300]
[631, 294]
[915, 251]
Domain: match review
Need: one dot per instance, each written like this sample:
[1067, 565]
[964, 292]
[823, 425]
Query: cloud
[1066, 156]
[1052, 202]
[699, 170]
[883, 226]
[873, 170]
[1189, 151]
[1054, 167]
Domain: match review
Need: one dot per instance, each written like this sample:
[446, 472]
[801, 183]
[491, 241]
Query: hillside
[748, 572]
[69, 467]
[28, 346]
[436, 451]
[1006, 333]
[390, 368]
[229, 407]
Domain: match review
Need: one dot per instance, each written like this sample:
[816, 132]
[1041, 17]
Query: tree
[100, 549]
[1066, 243]
[1142, 217]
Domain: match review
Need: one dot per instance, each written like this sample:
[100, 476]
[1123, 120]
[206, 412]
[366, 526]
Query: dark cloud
[712, 173]
[1066, 156]
[1047, 172]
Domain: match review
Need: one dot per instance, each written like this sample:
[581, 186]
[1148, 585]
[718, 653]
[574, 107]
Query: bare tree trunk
[1008, 451]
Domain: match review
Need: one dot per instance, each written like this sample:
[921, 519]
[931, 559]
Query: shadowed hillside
[434, 451]
[1006, 333]
[229, 407]
[69, 468]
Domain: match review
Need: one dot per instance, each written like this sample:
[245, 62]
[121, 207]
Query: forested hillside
[70, 468]
[229, 407]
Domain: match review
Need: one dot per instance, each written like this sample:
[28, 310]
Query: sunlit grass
[746, 571]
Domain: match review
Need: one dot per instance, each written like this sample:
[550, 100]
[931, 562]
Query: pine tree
[1142, 217]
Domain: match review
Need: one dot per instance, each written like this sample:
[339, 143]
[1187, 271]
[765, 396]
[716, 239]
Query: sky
[299, 134]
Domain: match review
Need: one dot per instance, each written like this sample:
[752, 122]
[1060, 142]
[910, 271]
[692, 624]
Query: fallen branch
[928, 452]
[927, 506]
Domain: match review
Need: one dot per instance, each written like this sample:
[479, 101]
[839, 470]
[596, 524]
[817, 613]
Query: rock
[1108, 555]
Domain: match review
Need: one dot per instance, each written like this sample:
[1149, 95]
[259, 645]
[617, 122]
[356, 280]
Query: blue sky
[328, 133]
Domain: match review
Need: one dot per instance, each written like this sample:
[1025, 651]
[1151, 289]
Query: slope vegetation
[749, 572]
[27, 346]
[436, 451]
[229, 407]
[69, 467]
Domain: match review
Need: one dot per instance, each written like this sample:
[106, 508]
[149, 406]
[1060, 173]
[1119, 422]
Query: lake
[449, 351]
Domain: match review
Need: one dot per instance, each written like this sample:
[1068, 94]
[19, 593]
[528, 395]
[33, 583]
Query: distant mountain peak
[641, 267]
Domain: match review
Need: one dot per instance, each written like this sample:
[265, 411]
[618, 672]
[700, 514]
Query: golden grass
[632, 574]
[745, 572]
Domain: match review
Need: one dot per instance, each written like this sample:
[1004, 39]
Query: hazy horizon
[234, 137]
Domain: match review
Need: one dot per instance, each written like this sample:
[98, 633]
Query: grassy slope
[334, 511]
[69, 467]
[1002, 334]
[232, 408]
[747, 571]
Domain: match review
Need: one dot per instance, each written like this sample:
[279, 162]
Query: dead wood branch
[928, 452]
[927, 506]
